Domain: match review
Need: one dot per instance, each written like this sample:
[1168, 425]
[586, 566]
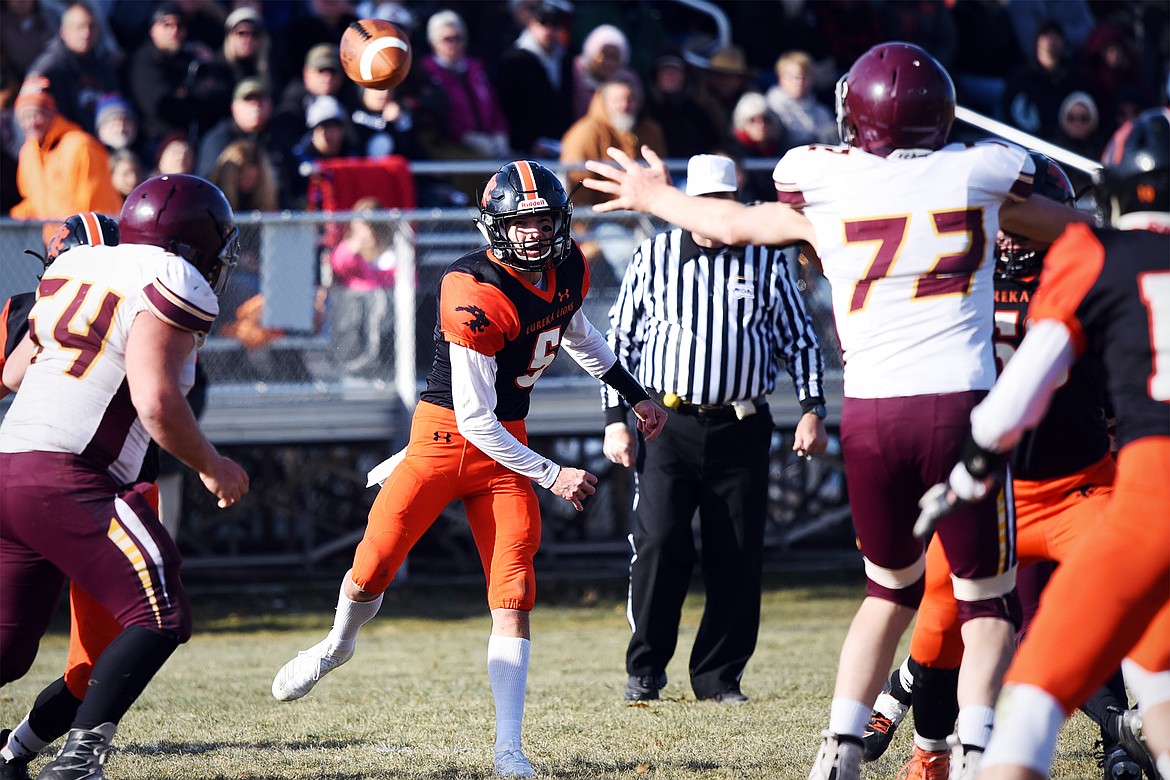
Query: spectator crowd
[175, 85]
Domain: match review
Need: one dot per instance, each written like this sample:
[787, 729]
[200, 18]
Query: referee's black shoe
[732, 695]
[645, 687]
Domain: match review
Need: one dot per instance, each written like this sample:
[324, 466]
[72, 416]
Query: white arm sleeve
[1021, 395]
[587, 346]
[473, 389]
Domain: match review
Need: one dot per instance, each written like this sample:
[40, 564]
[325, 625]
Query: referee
[704, 327]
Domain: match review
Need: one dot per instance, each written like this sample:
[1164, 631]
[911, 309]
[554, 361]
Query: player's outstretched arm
[155, 355]
[1040, 218]
[635, 187]
[648, 189]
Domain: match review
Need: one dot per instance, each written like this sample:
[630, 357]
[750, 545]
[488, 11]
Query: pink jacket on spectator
[473, 106]
[355, 272]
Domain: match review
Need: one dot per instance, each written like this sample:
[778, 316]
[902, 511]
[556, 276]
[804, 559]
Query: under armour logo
[478, 321]
[443, 436]
[563, 295]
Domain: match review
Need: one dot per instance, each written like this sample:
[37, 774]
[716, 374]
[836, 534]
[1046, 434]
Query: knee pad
[935, 697]
[989, 597]
[904, 587]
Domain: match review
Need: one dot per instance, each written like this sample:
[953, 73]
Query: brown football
[375, 53]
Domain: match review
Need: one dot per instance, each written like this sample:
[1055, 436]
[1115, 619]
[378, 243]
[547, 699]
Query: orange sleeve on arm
[476, 315]
[1071, 267]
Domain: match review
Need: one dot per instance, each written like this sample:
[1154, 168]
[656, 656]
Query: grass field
[415, 703]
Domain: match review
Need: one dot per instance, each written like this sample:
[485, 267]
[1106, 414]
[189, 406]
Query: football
[375, 53]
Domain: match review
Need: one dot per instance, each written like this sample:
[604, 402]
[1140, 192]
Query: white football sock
[931, 745]
[350, 616]
[1026, 729]
[508, 675]
[848, 717]
[975, 721]
[23, 742]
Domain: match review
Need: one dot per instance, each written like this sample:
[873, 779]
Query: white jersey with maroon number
[907, 243]
[74, 397]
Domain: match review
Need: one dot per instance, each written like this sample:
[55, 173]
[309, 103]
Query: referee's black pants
[719, 467]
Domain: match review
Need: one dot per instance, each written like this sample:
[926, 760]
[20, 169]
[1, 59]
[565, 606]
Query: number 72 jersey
[75, 397]
[907, 243]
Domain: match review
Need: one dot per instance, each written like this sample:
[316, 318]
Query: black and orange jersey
[492, 309]
[1073, 433]
[1111, 289]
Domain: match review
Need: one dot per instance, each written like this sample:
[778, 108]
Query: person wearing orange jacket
[61, 170]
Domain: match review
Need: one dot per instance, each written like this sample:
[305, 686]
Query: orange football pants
[91, 628]
[441, 466]
[1110, 599]
[1052, 517]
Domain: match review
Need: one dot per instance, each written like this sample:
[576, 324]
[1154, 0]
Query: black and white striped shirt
[712, 325]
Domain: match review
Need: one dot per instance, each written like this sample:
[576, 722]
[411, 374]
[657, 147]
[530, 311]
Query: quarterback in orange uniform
[505, 311]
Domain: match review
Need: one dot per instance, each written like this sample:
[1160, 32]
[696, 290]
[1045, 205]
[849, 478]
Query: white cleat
[965, 759]
[298, 676]
[511, 762]
[839, 758]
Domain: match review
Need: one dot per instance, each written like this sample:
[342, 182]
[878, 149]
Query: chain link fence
[308, 408]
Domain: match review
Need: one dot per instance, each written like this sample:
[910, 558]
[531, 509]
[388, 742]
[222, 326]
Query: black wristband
[623, 381]
[810, 403]
[981, 462]
[616, 414]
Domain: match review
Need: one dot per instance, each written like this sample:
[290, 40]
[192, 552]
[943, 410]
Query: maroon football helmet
[188, 216]
[896, 96]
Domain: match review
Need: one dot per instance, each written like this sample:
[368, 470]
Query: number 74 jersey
[907, 243]
[74, 396]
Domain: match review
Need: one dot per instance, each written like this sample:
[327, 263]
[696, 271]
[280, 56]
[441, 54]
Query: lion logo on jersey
[478, 321]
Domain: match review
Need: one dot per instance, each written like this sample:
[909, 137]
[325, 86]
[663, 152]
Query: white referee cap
[710, 173]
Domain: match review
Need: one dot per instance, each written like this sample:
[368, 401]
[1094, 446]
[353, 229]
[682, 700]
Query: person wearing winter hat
[328, 137]
[246, 45]
[62, 170]
[605, 54]
[755, 132]
[117, 124]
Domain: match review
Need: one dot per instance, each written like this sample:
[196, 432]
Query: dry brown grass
[415, 703]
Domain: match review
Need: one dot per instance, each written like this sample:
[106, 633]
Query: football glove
[971, 480]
